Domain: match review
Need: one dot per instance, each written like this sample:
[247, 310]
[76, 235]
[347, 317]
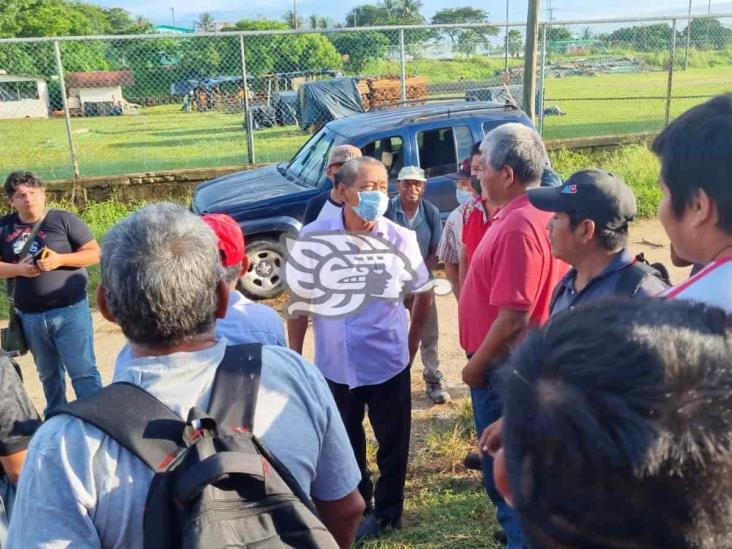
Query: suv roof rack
[461, 109]
[402, 102]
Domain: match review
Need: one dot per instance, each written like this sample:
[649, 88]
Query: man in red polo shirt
[509, 284]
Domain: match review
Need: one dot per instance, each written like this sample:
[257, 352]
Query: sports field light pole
[688, 38]
[67, 117]
[532, 39]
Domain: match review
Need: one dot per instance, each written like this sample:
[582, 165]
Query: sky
[186, 11]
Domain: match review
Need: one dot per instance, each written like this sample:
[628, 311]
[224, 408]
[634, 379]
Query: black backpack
[632, 277]
[215, 484]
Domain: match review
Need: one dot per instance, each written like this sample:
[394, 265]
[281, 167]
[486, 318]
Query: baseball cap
[463, 172]
[343, 153]
[591, 194]
[411, 173]
[230, 238]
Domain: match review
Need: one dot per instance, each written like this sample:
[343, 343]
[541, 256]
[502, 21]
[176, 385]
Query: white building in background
[97, 93]
[23, 96]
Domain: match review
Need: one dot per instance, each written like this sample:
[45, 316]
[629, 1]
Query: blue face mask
[463, 197]
[371, 205]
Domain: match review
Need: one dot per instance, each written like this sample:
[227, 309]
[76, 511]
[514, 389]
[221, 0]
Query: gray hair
[352, 169]
[517, 146]
[232, 274]
[160, 269]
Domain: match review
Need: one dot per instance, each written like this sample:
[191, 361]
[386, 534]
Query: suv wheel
[263, 280]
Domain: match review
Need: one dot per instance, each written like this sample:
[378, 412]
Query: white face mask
[371, 205]
[463, 197]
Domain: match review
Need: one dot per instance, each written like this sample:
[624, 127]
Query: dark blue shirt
[602, 286]
[427, 224]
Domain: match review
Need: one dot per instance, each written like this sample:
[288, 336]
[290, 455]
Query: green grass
[635, 164]
[159, 138]
[162, 138]
[592, 117]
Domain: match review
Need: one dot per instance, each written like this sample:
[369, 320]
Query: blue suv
[268, 202]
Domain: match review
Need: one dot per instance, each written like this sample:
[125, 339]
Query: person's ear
[102, 305]
[586, 230]
[508, 176]
[222, 299]
[244, 264]
[702, 210]
[500, 476]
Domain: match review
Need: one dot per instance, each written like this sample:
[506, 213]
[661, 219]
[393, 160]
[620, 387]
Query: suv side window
[441, 149]
[309, 164]
[388, 150]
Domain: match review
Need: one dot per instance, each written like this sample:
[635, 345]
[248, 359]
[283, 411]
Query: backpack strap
[632, 277]
[135, 419]
[235, 387]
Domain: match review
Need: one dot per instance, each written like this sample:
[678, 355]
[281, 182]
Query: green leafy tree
[558, 34]
[464, 40]
[357, 48]
[293, 21]
[709, 34]
[515, 42]
[645, 38]
[205, 23]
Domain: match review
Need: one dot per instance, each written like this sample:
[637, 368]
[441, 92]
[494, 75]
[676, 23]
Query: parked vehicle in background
[269, 202]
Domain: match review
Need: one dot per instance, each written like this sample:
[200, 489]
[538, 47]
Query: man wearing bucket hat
[589, 230]
[409, 209]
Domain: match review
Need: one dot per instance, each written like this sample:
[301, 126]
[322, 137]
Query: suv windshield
[309, 164]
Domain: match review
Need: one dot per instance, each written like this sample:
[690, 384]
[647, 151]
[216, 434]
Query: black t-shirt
[18, 419]
[62, 232]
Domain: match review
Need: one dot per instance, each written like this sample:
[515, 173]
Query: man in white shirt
[696, 209]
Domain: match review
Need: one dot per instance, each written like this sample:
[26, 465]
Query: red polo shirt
[475, 224]
[512, 268]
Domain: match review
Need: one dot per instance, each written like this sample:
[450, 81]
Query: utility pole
[530, 55]
[709, 8]
[172, 14]
[294, 14]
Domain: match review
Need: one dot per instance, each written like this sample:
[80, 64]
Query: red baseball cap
[230, 238]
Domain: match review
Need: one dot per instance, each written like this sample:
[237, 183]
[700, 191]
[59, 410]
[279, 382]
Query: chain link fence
[95, 106]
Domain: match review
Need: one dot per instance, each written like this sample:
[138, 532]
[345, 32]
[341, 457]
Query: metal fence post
[402, 65]
[67, 116]
[688, 39]
[542, 79]
[247, 112]
[669, 89]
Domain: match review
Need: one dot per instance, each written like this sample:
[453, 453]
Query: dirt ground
[646, 236]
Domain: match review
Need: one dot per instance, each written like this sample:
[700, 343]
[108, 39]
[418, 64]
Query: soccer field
[164, 138]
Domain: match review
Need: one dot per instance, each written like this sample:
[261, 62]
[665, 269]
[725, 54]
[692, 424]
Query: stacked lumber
[383, 90]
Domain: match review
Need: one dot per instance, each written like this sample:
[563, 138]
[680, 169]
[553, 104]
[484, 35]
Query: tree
[709, 34]
[284, 53]
[358, 48]
[646, 38]
[464, 40]
[587, 33]
[205, 23]
[409, 10]
[558, 34]
[292, 21]
[515, 42]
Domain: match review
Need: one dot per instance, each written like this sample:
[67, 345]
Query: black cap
[591, 194]
[463, 171]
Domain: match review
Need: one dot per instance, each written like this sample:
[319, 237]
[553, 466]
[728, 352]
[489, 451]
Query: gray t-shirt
[87, 491]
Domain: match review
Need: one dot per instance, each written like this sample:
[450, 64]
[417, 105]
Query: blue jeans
[7, 496]
[486, 410]
[62, 340]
